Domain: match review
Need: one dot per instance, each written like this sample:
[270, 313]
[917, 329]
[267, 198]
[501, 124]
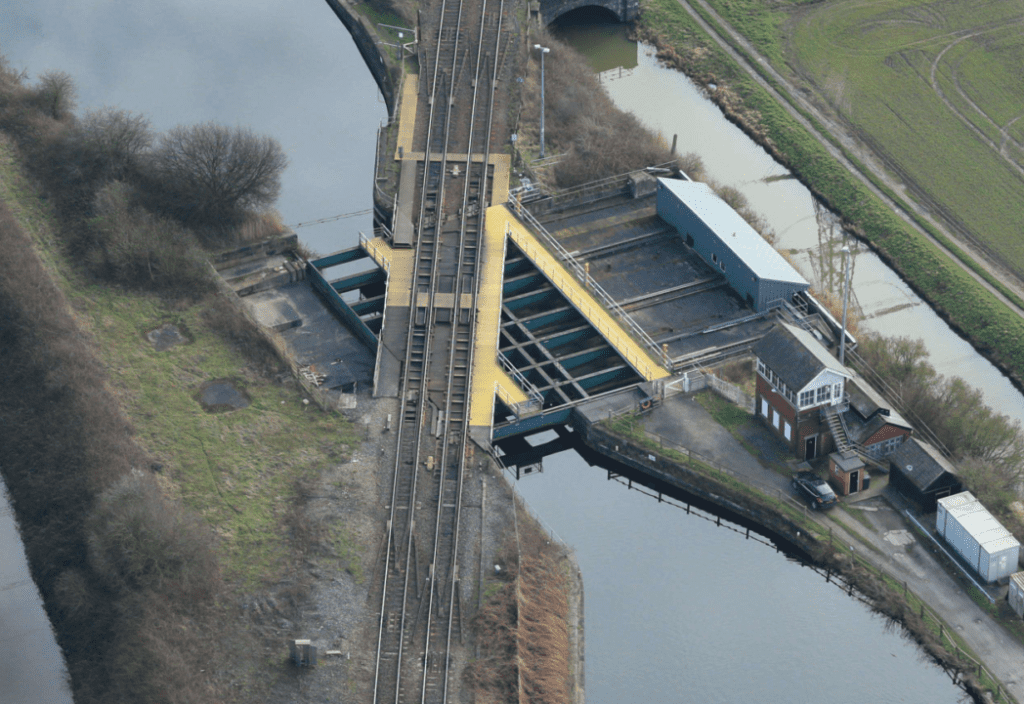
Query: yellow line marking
[407, 114]
[635, 355]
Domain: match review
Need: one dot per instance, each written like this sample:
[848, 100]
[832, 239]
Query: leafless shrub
[56, 94]
[257, 227]
[138, 540]
[136, 248]
[210, 176]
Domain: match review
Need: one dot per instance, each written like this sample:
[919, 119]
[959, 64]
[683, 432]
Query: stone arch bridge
[624, 10]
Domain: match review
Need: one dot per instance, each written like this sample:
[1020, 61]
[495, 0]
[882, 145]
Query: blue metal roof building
[726, 242]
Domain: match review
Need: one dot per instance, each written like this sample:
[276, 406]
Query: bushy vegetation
[138, 207]
[987, 447]
[523, 625]
[581, 121]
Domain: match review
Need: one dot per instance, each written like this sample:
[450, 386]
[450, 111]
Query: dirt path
[849, 142]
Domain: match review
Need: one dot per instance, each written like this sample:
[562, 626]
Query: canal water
[679, 610]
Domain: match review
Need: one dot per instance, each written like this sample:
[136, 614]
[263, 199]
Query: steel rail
[402, 424]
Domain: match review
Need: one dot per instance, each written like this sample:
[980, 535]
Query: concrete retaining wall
[363, 36]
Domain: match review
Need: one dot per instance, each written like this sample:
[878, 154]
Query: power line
[321, 221]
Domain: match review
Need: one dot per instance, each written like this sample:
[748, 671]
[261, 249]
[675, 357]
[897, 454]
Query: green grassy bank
[992, 328]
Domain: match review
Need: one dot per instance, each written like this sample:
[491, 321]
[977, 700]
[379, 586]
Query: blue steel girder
[603, 377]
[517, 266]
[557, 315]
[515, 285]
[369, 305]
[351, 283]
[346, 255]
[529, 299]
[532, 424]
[580, 333]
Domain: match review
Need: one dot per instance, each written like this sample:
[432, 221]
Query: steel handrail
[584, 279]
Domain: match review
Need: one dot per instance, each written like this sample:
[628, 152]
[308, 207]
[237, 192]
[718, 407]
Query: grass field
[238, 470]
[933, 87]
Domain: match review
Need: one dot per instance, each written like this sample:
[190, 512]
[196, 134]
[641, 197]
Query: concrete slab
[404, 232]
[322, 342]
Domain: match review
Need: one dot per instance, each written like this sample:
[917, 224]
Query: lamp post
[846, 300]
[543, 50]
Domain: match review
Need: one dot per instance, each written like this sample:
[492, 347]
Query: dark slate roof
[921, 463]
[796, 356]
[866, 401]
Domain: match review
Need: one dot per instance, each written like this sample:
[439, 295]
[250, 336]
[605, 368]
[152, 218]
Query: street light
[543, 50]
[846, 300]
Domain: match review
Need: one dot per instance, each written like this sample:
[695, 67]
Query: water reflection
[679, 610]
[602, 39]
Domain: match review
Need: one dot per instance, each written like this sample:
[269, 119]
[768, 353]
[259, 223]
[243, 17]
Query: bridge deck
[581, 299]
[487, 372]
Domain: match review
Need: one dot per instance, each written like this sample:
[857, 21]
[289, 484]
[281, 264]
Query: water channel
[676, 609]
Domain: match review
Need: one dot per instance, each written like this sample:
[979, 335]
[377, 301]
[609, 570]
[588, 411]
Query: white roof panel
[734, 231]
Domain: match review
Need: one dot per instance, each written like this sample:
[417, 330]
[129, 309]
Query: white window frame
[761, 368]
[823, 394]
[787, 430]
[806, 398]
[764, 407]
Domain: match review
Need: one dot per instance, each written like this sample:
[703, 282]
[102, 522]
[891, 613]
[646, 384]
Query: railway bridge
[495, 314]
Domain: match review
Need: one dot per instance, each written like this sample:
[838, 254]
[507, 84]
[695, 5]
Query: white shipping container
[1016, 593]
[951, 503]
[979, 538]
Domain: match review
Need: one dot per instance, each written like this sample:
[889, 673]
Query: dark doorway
[809, 447]
[854, 482]
[689, 240]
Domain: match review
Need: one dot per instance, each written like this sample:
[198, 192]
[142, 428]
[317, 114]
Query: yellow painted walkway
[489, 377]
[501, 164]
[398, 263]
[635, 354]
[407, 113]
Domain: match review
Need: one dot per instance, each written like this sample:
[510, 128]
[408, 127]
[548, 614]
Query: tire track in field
[981, 136]
[841, 132]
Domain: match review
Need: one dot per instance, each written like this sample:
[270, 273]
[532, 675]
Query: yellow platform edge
[407, 113]
[397, 264]
[488, 377]
[635, 355]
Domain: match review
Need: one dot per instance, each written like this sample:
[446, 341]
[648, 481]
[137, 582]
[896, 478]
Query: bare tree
[119, 137]
[211, 175]
[57, 94]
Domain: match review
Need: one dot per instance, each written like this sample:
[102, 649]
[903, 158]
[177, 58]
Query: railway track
[420, 605]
